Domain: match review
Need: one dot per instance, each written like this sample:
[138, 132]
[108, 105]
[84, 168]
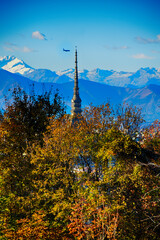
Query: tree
[89, 180]
[129, 119]
[151, 138]
[28, 116]
[92, 216]
[24, 122]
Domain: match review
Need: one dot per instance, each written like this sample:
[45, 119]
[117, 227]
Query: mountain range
[140, 78]
[141, 88]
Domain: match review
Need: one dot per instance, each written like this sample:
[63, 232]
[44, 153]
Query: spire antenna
[76, 100]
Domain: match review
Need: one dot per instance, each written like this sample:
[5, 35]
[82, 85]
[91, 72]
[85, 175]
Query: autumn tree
[23, 122]
[89, 180]
[92, 216]
[71, 155]
[151, 137]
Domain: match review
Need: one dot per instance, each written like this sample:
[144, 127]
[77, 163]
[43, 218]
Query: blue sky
[110, 34]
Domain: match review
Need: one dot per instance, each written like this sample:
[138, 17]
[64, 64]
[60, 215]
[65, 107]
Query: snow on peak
[14, 65]
[7, 58]
[69, 73]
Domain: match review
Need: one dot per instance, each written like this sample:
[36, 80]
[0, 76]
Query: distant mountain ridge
[147, 98]
[140, 78]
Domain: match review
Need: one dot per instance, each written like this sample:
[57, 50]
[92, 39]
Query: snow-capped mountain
[45, 75]
[142, 77]
[42, 75]
[96, 75]
[145, 76]
[14, 65]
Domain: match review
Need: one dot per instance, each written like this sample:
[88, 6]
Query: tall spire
[76, 100]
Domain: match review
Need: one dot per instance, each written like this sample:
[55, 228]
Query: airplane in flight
[66, 50]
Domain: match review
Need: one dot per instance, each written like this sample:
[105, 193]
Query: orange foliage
[88, 221]
[36, 228]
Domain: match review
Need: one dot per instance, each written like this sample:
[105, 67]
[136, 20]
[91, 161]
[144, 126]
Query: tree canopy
[98, 179]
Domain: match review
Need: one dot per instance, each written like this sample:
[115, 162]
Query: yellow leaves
[29, 229]
[115, 146]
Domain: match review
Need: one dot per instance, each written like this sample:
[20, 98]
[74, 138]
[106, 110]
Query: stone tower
[76, 100]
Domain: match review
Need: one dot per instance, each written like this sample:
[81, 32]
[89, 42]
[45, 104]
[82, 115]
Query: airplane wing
[66, 50]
